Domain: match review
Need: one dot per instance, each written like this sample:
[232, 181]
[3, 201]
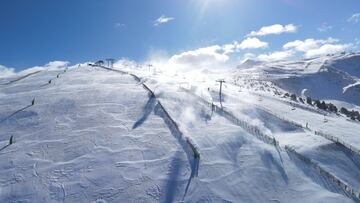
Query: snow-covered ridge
[333, 77]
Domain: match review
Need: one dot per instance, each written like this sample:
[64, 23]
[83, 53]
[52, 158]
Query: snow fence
[351, 192]
[319, 133]
[119, 71]
[190, 146]
[21, 77]
[348, 190]
[338, 141]
[252, 129]
[174, 127]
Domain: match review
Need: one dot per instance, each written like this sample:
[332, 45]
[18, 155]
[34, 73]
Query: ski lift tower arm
[221, 81]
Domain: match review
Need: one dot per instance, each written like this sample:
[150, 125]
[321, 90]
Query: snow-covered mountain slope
[96, 135]
[349, 63]
[249, 63]
[279, 119]
[79, 142]
[326, 78]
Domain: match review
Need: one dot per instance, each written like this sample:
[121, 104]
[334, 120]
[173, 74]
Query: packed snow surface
[96, 135]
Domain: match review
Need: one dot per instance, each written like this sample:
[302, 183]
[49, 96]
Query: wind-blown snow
[95, 135]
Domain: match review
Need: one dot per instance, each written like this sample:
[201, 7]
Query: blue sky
[38, 31]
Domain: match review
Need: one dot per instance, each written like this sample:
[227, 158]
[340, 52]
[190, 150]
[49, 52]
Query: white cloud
[215, 55]
[249, 56]
[312, 47]
[57, 64]
[53, 65]
[308, 44]
[324, 27]
[229, 48]
[162, 19]
[327, 49]
[276, 56]
[208, 56]
[248, 43]
[355, 18]
[119, 25]
[252, 43]
[274, 29]
[5, 71]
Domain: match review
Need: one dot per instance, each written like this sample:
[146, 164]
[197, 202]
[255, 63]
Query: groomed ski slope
[77, 143]
[96, 136]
